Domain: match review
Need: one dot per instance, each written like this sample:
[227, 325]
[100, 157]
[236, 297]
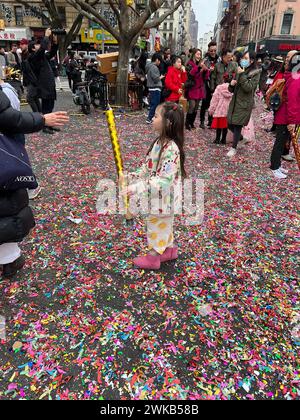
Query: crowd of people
[220, 88]
[226, 86]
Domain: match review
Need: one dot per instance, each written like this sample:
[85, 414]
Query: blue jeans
[154, 102]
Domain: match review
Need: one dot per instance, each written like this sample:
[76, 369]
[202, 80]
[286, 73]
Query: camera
[59, 31]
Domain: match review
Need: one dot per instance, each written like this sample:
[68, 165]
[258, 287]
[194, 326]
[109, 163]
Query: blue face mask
[245, 63]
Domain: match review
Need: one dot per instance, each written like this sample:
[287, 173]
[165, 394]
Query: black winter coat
[16, 122]
[40, 64]
[16, 218]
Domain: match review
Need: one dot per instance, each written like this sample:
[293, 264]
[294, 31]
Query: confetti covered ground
[220, 323]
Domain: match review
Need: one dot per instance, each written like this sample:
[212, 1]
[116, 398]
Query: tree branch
[153, 6]
[74, 29]
[52, 9]
[91, 13]
[156, 22]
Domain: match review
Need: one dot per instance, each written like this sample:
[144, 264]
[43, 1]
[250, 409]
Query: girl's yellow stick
[117, 152]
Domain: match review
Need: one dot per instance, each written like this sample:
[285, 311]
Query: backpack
[274, 96]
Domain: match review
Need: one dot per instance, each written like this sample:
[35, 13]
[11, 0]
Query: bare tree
[128, 26]
[55, 20]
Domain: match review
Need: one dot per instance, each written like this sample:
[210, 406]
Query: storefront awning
[15, 34]
[278, 46]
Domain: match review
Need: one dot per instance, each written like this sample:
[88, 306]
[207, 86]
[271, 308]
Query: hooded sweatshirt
[153, 77]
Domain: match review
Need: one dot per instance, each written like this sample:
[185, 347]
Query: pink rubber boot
[170, 254]
[149, 262]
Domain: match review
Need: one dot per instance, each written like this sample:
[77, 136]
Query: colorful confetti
[221, 323]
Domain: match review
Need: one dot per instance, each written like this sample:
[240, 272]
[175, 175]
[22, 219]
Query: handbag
[15, 169]
[190, 83]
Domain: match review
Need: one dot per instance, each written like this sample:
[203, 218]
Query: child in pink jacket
[219, 107]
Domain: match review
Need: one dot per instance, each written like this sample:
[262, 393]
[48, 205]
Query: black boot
[218, 138]
[188, 124]
[224, 136]
[10, 270]
[193, 118]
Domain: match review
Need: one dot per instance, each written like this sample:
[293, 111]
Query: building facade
[223, 6]
[205, 40]
[194, 29]
[179, 28]
[27, 22]
[274, 25]
[229, 25]
[267, 26]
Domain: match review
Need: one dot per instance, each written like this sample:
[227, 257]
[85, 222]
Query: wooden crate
[108, 62]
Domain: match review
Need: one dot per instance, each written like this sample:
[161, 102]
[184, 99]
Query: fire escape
[244, 23]
[229, 25]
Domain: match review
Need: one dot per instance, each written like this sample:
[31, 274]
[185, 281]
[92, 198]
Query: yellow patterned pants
[160, 233]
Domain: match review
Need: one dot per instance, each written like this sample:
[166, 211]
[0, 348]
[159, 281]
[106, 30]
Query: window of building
[272, 25]
[287, 24]
[19, 15]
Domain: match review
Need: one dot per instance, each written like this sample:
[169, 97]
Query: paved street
[83, 323]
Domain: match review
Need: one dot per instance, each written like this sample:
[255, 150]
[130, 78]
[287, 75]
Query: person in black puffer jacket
[16, 217]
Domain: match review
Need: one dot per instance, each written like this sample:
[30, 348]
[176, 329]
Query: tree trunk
[62, 49]
[122, 74]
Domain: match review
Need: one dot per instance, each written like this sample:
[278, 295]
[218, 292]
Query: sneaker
[33, 194]
[279, 175]
[57, 130]
[148, 122]
[149, 262]
[10, 270]
[288, 158]
[243, 143]
[232, 152]
[284, 171]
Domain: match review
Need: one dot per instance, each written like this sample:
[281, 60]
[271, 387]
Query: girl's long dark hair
[173, 129]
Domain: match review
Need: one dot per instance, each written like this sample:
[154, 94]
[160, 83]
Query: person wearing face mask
[242, 103]
[210, 61]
